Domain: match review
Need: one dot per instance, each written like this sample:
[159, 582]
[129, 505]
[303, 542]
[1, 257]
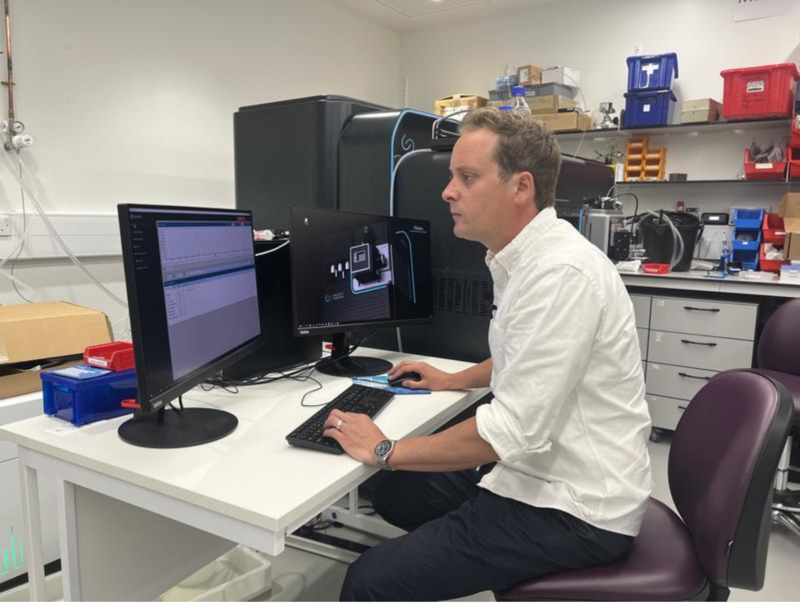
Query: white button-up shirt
[569, 420]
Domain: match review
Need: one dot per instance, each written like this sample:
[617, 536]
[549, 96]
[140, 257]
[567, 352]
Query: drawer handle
[694, 377]
[710, 344]
[702, 309]
[681, 407]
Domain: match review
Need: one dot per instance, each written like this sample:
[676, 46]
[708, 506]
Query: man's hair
[525, 145]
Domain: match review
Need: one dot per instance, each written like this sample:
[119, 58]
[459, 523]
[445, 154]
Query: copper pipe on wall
[9, 68]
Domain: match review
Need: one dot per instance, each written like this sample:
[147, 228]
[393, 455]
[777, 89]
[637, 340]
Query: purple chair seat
[640, 576]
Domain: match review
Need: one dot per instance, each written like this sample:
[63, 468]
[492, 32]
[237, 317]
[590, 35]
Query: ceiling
[407, 15]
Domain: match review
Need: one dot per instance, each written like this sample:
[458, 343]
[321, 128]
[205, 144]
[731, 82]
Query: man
[568, 424]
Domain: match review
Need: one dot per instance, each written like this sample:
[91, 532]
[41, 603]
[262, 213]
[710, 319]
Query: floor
[298, 575]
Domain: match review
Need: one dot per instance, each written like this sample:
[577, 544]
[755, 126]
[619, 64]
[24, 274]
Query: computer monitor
[191, 281]
[357, 272]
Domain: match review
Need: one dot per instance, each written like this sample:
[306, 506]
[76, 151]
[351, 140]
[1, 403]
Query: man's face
[479, 200]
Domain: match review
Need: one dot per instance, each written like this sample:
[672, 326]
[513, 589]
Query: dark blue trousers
[464, 540]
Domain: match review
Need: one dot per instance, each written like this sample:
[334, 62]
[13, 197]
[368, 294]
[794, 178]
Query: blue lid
[518, 91]
[505, 108]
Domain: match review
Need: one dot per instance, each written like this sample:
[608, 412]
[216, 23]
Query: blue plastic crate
[652, 72]
[747, 258]
[643, 109]
[746, 239]
[90, 399]
[748, 219]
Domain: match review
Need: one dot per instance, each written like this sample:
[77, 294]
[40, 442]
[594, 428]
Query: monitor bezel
[146, 401]
[346, 327]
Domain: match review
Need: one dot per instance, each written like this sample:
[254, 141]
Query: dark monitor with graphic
[356, 272]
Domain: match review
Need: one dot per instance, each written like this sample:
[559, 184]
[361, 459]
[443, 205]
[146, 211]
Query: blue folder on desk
[382, 382]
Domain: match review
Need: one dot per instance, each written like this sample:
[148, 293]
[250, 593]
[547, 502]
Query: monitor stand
[341, 365]
[170, 429]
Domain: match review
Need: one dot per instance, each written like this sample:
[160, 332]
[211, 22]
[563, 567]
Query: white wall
[134, 101]
[595, 38]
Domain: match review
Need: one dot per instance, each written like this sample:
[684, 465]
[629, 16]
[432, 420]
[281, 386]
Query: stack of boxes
[650, 100]
[548, 92]
[644, 163]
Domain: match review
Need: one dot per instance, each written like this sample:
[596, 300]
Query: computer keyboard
[356, 399]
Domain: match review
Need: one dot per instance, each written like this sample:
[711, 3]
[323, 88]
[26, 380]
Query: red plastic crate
[795, 133]
[116, 356]
[765, 171]
[656, 269]
[759, 92]
[769, 266]
[794, 164]
[773, 230]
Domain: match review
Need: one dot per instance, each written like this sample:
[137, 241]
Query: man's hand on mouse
[430, 377]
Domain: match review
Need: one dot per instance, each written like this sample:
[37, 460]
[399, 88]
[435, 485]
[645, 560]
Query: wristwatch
[382, 452]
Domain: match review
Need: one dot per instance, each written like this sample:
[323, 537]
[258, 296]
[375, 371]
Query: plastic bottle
[723, 259]
[520, 105]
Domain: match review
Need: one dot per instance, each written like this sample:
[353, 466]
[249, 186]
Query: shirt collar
[507, 257]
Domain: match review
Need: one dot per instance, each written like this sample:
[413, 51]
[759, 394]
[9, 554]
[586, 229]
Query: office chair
[779, 358]
[721, 466]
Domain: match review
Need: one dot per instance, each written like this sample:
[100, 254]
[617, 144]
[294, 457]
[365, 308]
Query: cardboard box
[790, 210]
[566, 121]
[549, 104]
[529, 74]
[561, 75]
[700, 111]
[15, 381]
[49, 330]
[458, 102]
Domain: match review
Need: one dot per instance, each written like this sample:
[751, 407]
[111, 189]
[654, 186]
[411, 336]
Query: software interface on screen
[357, 268]
[196, 286]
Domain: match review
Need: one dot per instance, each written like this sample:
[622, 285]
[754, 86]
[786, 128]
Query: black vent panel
[463, 295]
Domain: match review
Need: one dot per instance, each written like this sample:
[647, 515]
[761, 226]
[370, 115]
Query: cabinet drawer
[665, 412]
[676, 382]
[704, 317]
[641, 309]
[643, 341]
[683, 350]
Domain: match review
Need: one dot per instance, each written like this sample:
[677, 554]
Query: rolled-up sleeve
[547, 333]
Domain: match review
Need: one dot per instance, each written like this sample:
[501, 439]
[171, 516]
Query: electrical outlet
[637, 49]
[5, 225]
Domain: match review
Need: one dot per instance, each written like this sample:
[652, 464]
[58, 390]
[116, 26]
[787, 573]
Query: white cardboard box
[561, 75]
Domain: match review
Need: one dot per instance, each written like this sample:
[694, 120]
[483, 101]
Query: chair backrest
[779, 345]
[722, 461]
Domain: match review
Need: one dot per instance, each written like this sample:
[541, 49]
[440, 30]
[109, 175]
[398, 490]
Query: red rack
[116, 356]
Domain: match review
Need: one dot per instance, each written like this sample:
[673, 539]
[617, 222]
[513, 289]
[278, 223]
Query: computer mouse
[410, 376]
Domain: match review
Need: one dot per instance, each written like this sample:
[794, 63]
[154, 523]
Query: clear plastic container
[520, 104]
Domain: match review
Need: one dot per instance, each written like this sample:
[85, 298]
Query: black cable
[636, 209]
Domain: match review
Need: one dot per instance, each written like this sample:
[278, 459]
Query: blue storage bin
[747, 258]
[745, 239]
[748, 219]
[96, 395]
[652, 72]
[643, 109]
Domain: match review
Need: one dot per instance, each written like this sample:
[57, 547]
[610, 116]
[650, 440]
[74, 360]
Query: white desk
[250, 488]
[697, 281]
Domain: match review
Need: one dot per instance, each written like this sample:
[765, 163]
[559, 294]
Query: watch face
[383, 448]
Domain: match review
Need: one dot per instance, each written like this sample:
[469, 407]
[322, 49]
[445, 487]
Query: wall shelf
[738, 182]
[685, 129]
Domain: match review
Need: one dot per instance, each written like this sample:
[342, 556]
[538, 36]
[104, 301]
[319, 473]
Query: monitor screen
[359, 271]
[192, 294]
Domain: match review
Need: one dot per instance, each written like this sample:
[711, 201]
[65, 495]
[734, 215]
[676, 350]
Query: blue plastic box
[748, 219]
[644, 109]
[652, 72]
[90, 399]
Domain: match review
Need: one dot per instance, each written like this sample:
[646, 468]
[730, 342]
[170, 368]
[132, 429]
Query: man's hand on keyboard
[357, 434]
